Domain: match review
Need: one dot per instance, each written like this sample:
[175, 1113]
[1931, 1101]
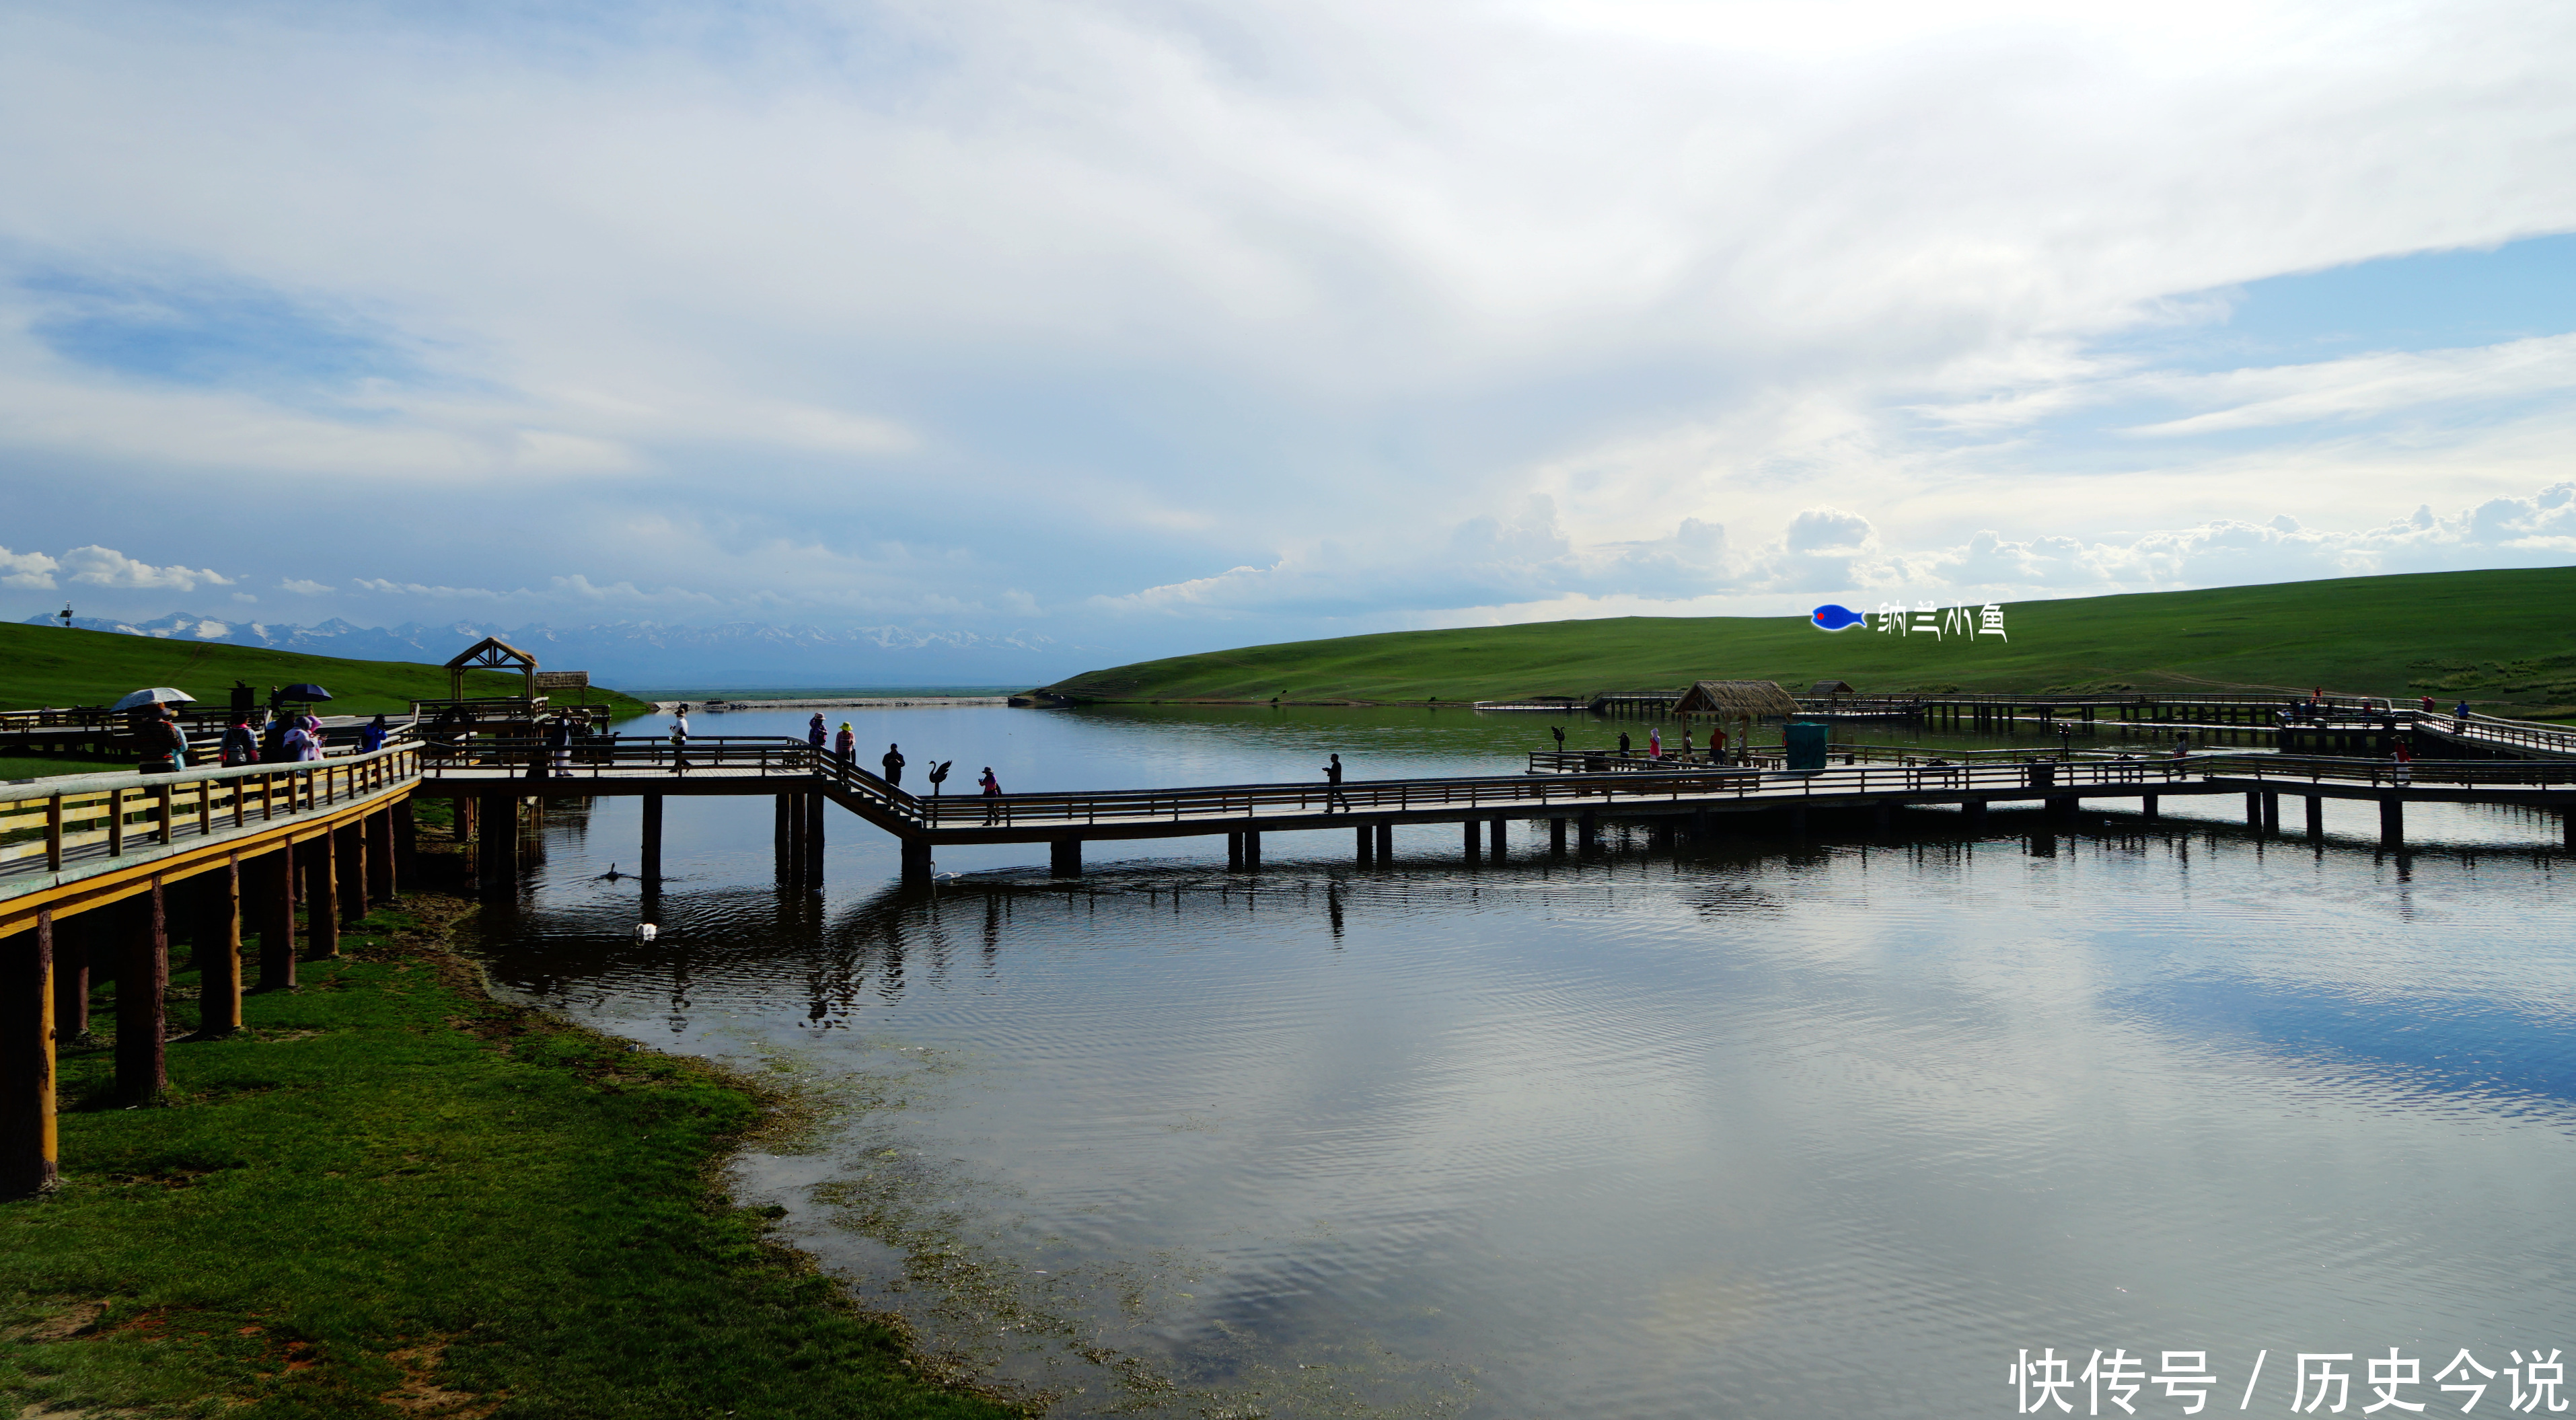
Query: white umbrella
[157, 695]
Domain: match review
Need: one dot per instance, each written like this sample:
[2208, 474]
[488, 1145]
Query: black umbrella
[304, 690]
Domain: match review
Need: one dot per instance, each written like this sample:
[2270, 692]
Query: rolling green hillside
[49, 665]
[2505, 640]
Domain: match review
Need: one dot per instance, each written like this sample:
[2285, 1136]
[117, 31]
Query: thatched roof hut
[1735, 699]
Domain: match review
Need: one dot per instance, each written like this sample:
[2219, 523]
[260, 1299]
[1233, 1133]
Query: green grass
[45, 766]
[44, 666]
[390, 1196]
[2504, 640]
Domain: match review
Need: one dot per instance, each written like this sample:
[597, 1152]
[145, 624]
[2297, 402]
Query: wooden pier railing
[46, 823]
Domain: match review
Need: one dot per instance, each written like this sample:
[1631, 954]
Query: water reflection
[1818, 1125]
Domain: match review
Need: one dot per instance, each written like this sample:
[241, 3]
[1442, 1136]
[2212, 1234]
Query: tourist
[372, 738]
[1655, 742]
[894, 762]
[2402, 758]
[165, 745]
[240, 746]
[2460, 718]
[273, 748]
[2182, 744]
[1623, 744]
[845, 745]
[815, 734]
[1717, 744]
[992, 795]
[1685, 743]
[559, 743]
[1333, 787]
[680, 720]
[680, 744]
[297, 744]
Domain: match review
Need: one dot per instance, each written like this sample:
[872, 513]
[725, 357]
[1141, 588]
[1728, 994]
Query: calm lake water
[1826, 1129]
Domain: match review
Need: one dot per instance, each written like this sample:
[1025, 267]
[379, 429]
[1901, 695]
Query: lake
[1831, 1128]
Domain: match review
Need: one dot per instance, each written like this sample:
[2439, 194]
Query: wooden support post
[1494, 839]
[379, 834]
[2254, 810]
[652, 838]
[1885, 818]
[2392, 822]
[782, 837]
[1064, 858]
[1797, 823]
[72, 937]
[218, 950]
[322, 896]
[2316, 818]
[1252, 850]
[813, 839]
[464, 819]
[1556, 838]
[350, 849]
[916, 862]
[142, 1012]
[1975, 812]
[1366, 840]
[1474, 844]
[1386, 845]
[29, 1152]
[274, 873]
[2271, 814]
[2147, 805]
[2061, 808]
[1234, 852]
[1587, 830]
[1699, 824]
[496, 841]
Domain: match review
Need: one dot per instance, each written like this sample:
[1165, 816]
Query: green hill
[2505, 640]
[50, 665]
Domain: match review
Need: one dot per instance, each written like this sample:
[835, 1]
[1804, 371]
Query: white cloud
[28, 570]
[106, 567]
[302, 587]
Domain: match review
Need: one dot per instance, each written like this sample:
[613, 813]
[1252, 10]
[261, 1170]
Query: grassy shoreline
[2499, 639]
[392, 1195]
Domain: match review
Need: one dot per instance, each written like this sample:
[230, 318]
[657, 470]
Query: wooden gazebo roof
[1752, 699]
[490, 653]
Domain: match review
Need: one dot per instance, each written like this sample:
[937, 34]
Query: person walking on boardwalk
[680, 745]
[559, 743]
[2460, 718]
[845, 745]
[2402, 758]
[992, 796]
[894, 762]
[240, 746]
[1333, 787]
[815, 734]
[1655, 742]
[164, 743]
[372, 737]
[1623, 744]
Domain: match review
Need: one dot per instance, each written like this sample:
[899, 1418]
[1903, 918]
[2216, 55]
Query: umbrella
[303, 690]
[157, 695]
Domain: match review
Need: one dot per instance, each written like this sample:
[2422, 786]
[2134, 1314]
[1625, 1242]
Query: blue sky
[1154, 327]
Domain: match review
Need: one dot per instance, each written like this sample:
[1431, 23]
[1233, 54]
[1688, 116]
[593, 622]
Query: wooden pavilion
[491, 654]
[1744, 702]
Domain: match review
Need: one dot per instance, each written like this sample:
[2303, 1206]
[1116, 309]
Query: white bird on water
[646, 931]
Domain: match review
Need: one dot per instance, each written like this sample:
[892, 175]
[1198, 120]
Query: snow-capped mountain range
[643, 655]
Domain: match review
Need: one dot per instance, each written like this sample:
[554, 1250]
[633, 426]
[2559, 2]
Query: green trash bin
[1807, 740]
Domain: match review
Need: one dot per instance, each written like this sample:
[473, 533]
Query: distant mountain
[650, 655]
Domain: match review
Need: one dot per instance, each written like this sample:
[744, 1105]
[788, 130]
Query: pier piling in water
[2254, 810]
[2316, 818]
[1386, 845]
[1064, 857]
[2392, 822]
[1234, 852]
[1252, 850]
[652, 838]
[2147, 805]
[811, 840]
[2271, 814]
[916, 862]
[1366, 840]
[1556, 838]
[1494, 841]
[1588, 831]
[1975, 812]
[1473, 843]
